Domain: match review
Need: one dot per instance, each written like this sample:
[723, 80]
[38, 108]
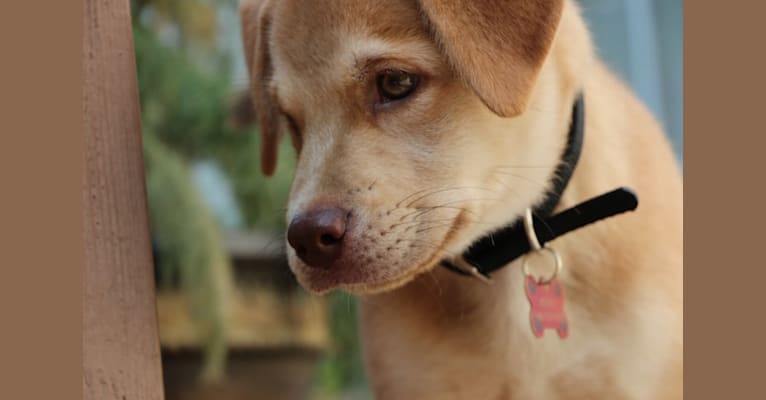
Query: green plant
[186, 93]
[188, 237]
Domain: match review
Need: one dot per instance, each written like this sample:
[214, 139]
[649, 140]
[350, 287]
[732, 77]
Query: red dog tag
[547, 307]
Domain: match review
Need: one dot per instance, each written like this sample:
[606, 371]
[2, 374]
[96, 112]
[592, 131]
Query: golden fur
[469, 151]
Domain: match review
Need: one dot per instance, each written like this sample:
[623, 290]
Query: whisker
[436, 282]
[422, 210]
[470, 200]
[446, 190]
[399, 203]
[421, 222]
[433, 227]
[508, 166]
[522, 177]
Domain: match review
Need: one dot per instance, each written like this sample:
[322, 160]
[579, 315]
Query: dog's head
[419, 126]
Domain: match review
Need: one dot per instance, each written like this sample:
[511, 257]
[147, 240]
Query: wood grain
[121, 355]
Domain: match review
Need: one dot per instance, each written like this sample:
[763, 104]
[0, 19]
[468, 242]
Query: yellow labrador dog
[422, 126]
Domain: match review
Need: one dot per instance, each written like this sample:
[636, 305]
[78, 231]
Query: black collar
[499, 248]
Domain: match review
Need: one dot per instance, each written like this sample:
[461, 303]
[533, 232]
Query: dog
[421, 126]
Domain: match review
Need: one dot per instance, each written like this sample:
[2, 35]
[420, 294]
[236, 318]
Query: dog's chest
[419, 373]
[506, 361]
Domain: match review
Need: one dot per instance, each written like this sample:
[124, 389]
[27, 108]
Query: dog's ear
[496, 46]
[256, 21]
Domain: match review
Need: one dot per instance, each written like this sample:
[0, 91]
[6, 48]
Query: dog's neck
[442, 318]
[442, 300]
[449, 314]
[498, 248]
[479, 329]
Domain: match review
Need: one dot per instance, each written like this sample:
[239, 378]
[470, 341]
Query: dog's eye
[396, 84]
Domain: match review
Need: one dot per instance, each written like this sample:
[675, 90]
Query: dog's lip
[339, 277]
[324, 281]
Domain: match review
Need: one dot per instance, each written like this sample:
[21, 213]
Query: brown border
[725, 275]
[41, 244]
[41, 177]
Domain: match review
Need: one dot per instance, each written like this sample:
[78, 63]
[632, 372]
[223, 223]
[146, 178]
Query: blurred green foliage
[186, 92]
[188, 109]
[341, 370]
[192, 251]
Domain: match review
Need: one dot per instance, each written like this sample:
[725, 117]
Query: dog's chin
[364, 279]
[357, 288]
[322, 282]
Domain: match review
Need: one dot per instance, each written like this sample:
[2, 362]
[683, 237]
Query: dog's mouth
[374, 263]
[358, 281]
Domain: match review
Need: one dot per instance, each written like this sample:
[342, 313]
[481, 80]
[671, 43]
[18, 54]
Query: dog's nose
[317, 236]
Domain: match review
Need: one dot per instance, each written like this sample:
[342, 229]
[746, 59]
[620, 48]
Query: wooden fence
[121, 353]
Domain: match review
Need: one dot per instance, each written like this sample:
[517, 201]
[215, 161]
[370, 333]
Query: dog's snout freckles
[366, 246]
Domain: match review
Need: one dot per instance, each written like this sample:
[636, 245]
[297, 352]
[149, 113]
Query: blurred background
[234, 324]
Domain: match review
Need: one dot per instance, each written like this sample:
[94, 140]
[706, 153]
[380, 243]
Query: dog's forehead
[315, 39]
[318, 27]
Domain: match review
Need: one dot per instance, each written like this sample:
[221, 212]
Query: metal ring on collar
[556, 257]
[529, 227]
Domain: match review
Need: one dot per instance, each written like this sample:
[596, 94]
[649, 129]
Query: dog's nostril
[317, 236]
[328, 240]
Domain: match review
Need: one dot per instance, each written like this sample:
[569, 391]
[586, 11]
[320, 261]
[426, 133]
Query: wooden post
[121, 354]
